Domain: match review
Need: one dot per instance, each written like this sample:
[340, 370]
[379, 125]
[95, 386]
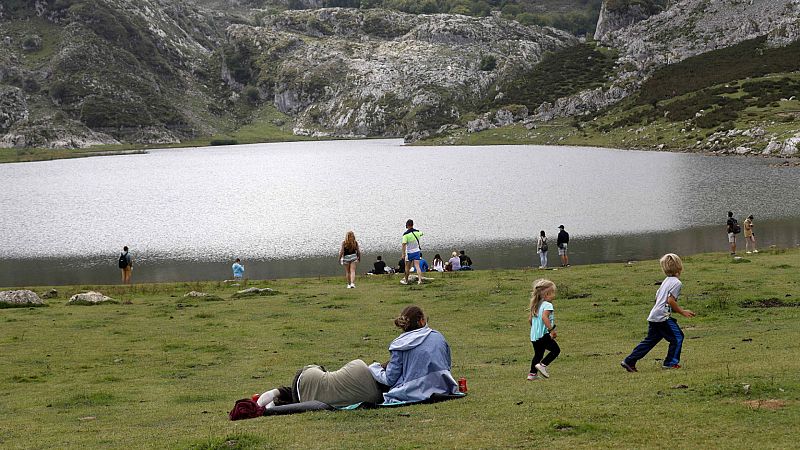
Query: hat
[561, 226]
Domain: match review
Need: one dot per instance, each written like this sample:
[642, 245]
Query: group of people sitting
[458, 261]
[418, 367]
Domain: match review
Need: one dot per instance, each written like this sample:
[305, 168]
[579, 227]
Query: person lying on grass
[351, 384]
[419, 366]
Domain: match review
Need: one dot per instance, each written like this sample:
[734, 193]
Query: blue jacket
[419, 367]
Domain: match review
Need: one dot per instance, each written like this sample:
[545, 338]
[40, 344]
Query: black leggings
[544, 343]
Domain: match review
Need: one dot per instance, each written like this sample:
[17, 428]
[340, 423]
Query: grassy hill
[162, 370]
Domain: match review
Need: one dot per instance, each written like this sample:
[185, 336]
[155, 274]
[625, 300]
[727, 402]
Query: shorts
[731, 238]
[347, 259]
[562, 250]
[416, 256]
[751, 238]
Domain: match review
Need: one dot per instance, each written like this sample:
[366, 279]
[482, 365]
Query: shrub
[251, 94]
[488, 63]
[223, 141]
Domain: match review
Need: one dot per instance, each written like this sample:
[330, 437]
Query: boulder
[772, 147]
[791, 146]
[20, 298]
[195, 294]
[90, 298]
[254, 292]
[52, 293]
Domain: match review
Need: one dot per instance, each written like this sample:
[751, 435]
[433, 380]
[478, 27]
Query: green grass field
[162, 371]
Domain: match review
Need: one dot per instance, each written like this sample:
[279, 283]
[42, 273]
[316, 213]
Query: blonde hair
[671, 264]
[540, 288]
[350, 245]
[455, 253]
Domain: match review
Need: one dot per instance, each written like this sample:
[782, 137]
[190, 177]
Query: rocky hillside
[374, 72]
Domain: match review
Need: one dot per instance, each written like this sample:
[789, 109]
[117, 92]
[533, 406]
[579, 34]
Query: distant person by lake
[412, 250]
[349, 256]
[453, 264]
[466, 261]
[749, 235]
[541, 248]
[732, 227]
[562, 242]
[238, 270]
[438, 264]
[126, 265]
[378, 267]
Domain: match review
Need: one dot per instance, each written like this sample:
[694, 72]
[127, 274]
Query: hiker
[126, 265]
[412, 251]
[466, 262]
[438, 264]
[453, 264]
[659, 323]
[749, 236]
[351, 384]
[238, 270]
[733, 228]
[543, 328]
[541, 249]
[349, 256]
[561, 242]
[378, 267]
[420, 361]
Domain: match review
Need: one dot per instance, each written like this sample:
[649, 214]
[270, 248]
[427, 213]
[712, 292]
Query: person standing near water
[412, 251]
[349, 256]
[749, 236]
[561, 242]
[541, 248]
[238, 270]
[126, 265]
[733, 228]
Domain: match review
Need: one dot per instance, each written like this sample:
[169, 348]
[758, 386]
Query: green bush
[488, 63]
[223, 141]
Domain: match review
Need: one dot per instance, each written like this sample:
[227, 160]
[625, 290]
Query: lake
[284, 208]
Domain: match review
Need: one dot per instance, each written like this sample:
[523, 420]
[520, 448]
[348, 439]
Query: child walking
[660, 324]
[543, 328]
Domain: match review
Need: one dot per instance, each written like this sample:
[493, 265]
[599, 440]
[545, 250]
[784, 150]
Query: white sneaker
[403, 281]
[748, 252]
[542, 370]
[353, 285]
[755, 251]
[349, 286]
[533, 377]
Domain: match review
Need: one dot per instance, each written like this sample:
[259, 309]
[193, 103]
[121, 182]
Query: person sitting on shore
[453, 264]
[378, 267]
[423, 266]
[438, 264]
[420, 363]
[466, 262]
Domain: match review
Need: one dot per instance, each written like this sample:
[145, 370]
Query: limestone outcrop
[90, 298]
[19, 298]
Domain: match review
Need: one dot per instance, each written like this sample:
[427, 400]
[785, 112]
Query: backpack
[735, 228]
[544, 245]
[123, 261]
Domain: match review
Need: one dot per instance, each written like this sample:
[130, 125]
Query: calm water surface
[284, 208]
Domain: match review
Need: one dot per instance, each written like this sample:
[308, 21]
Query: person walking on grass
[125, 265]
[412, 251]
[561, 242]
[659, 323]
[749, 236]
[733, 228]
[349, 256]
[541, 248]
[543, 328]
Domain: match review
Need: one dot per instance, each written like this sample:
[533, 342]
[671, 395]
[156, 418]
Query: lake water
[284, 208]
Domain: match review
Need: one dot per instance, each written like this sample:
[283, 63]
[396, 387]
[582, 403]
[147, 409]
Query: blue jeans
[543, 259]
[668, 330]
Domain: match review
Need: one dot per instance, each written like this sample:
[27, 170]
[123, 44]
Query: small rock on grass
[90, 298]
[680, 386]
[20, 298]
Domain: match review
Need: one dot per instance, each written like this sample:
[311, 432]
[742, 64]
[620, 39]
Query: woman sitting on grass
[420, 361]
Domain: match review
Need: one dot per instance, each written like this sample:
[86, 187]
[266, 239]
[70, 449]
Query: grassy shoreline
[162, 370]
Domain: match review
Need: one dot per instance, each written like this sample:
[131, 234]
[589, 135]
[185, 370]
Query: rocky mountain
[350, 72]
[680, 74]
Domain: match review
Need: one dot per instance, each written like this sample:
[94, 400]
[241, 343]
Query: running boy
[660, 324]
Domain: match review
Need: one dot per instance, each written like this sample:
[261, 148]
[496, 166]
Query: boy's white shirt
[661, 310]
